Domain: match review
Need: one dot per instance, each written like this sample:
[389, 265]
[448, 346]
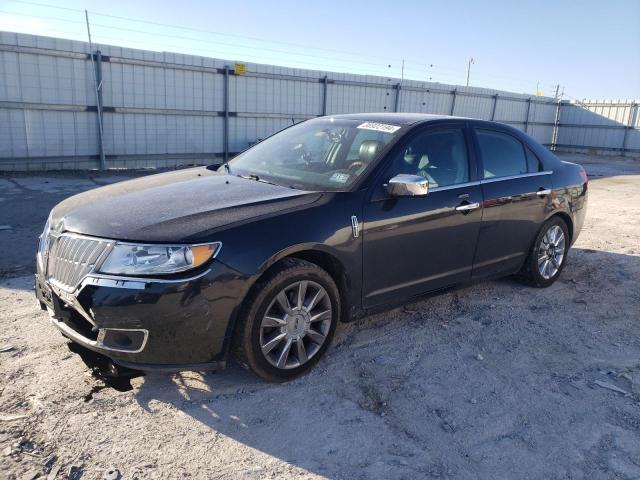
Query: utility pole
[402, 73]
[469, 69]
[98, 88]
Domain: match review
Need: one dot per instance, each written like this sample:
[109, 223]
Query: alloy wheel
[551, 252]
[295, 324]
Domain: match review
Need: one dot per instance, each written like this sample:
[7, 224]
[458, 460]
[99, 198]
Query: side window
[502, 155]
[440, 156]
[533, 162]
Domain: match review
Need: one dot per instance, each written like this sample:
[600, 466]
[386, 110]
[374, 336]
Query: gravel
[495, 380]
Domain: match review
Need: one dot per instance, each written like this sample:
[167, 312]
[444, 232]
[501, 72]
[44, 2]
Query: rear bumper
[178, 324]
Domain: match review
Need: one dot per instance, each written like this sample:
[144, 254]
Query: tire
[266, 327]
[543, 266]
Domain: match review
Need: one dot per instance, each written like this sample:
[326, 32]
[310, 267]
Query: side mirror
[404, 185]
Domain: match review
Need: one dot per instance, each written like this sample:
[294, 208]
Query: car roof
[395, 118]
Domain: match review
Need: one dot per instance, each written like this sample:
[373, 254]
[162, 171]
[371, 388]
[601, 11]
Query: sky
[591, 49]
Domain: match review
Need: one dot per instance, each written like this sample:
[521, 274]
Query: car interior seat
[367, 151]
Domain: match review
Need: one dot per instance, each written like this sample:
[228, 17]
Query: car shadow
[381, 413]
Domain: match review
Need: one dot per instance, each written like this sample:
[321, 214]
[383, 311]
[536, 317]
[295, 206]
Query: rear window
[502, 155]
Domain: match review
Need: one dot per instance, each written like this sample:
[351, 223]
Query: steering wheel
[305, 156]
[355, 165]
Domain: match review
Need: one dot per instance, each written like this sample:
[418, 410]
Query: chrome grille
[71, 258]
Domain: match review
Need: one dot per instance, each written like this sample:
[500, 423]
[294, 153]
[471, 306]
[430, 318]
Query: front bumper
[159, 324]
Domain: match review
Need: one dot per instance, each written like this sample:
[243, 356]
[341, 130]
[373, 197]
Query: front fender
[325, 227]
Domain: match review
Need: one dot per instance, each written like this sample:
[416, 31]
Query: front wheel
[548, 254]
[288, 321]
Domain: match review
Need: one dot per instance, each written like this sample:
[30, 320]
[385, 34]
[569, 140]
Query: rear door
[516, 192]
[412, 245]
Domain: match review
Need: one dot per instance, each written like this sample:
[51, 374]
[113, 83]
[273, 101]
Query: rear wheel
[288, 321]
[548, 254]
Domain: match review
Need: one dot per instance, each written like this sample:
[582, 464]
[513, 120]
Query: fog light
[122, 340]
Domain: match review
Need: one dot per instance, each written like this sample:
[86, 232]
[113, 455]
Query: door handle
[543, 191]
[466, 207]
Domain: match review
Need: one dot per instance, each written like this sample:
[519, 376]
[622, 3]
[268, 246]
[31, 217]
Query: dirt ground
[496, 380]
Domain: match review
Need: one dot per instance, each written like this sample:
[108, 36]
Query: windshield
[321, 154]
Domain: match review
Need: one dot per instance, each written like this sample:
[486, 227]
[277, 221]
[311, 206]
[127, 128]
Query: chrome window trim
[513, 177]
[455, 185]
[488, 180]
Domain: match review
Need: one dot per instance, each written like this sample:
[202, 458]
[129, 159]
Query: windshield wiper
[254, 177]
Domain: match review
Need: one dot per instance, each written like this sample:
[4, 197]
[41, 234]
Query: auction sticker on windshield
[379, 127]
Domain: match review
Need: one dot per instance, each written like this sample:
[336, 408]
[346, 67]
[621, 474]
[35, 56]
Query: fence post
[495, 104]
[225, 134]
[398, 88]
[526, 120]
[630, 121]
[324, 96]
[556, 127]
[454, 92]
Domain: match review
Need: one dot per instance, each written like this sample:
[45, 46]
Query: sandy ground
[495, 380]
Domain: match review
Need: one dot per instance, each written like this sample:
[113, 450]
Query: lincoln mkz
[322, 222]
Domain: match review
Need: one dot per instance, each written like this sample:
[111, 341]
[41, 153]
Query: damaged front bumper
[149, 324]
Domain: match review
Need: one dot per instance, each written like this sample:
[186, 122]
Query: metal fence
[600, 125]
[162, 109]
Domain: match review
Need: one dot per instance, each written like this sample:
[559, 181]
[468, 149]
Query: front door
[412, 245]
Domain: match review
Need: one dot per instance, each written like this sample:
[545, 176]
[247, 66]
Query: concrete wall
[164, 110]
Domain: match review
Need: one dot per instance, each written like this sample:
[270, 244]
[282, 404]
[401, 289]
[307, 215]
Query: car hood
[186, 205]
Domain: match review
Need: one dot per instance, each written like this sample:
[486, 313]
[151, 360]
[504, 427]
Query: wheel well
[567, 220]
[326, 261]
[329, 264]
[335, 269]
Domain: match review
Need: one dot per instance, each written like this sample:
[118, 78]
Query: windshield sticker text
[379, 127]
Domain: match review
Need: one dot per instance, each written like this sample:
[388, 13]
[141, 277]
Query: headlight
[134, 259]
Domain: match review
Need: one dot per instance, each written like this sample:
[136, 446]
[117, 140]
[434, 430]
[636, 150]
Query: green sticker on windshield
[340, 177]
